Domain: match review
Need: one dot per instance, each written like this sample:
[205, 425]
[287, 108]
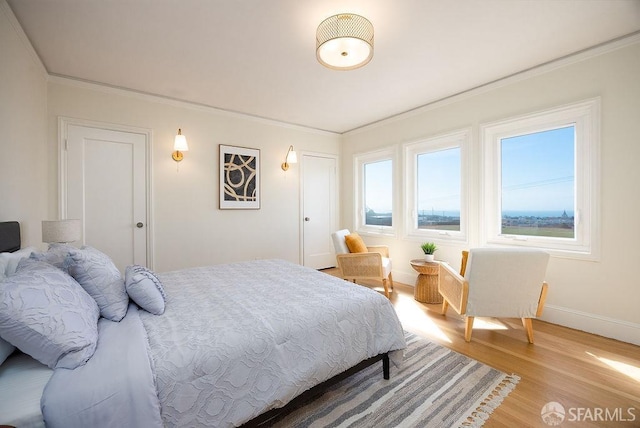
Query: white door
[105, 185]
[319, 210]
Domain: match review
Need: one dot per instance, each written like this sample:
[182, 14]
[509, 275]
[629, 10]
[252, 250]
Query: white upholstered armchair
[372, 262]
[501, 283]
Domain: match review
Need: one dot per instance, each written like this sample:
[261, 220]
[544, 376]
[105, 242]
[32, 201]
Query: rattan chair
[374, 264]
[501, 283]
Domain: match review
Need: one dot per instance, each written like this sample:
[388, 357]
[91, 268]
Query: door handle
[139, 225]
[307, 219]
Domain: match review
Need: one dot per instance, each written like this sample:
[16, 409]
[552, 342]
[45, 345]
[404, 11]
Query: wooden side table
[426, 289]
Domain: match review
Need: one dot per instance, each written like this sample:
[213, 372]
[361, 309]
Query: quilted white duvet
[234, 341]
[239, 339]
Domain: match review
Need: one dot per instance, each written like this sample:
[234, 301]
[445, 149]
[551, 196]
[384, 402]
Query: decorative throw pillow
[355, 243]
[144, 288]
[97, 274]
[55, 255]
[46, 314]
[6, 349]
[9, 261]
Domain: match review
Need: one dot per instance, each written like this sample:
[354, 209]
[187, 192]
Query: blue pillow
[46, 314]
[97, 274]
[144, 288]
[55, 255]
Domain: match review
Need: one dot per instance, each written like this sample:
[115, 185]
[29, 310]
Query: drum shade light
[344, 41]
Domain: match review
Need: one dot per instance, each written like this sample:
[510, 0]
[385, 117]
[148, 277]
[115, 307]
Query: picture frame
[239, 177]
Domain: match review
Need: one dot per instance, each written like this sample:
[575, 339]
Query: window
[374, 210]
[436, 183]
[538, 183]
[541, 179]
[378, 195]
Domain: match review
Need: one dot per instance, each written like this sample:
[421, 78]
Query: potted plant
[429, 248]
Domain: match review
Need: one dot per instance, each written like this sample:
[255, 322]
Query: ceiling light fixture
[344, 41]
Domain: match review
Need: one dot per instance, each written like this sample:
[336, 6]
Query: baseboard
[591, 323]
[408, 278]
[624, 331]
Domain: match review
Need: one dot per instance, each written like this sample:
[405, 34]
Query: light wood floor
[574, 368]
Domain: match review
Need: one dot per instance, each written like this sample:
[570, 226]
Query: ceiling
[258, 57]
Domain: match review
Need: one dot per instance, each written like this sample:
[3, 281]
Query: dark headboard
[9, 236]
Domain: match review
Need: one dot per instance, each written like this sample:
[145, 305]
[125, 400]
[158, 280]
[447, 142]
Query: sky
[439, 181]
[538, 173]
[379, 186]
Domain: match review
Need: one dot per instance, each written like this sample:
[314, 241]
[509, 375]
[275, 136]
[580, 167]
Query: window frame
[454, 139]
[359, 210]
[585, 117]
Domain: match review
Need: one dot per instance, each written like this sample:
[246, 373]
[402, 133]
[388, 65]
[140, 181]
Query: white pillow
[46, 314]
[55, 255]
[9, 261]
[97, 274]
[144, 288]
[8, 265]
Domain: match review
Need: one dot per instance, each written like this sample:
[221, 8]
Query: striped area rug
[434, 387]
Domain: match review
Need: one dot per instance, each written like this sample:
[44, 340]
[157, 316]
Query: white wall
[188, 228]
[23, 125]
[602, 296]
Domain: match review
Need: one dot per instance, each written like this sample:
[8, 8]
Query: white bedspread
[239, 339]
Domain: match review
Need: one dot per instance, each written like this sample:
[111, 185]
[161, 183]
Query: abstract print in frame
[239, 178]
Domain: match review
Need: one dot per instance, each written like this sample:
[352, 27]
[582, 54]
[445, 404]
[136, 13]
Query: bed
[232, 345]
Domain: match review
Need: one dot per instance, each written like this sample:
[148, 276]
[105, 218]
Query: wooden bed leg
[385, 366]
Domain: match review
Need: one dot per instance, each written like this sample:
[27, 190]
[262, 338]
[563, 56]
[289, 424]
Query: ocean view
[539, 214]
[551, 223]
[456, 214]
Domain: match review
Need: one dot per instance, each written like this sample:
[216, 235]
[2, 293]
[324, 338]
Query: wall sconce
[291, 157]
[179, 146]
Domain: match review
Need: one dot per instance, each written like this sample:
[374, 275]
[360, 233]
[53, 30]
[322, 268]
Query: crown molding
[537, 70]
[17, 28]
[175, 102]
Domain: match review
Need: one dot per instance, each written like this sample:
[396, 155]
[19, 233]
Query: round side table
[426, 289]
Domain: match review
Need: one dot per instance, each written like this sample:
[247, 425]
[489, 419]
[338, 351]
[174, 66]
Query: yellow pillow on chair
[355, 243]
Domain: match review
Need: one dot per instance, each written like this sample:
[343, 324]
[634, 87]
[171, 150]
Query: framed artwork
[239, 178]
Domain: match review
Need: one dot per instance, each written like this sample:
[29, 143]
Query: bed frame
[10, 242]
[272, 416]
[9, 236]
